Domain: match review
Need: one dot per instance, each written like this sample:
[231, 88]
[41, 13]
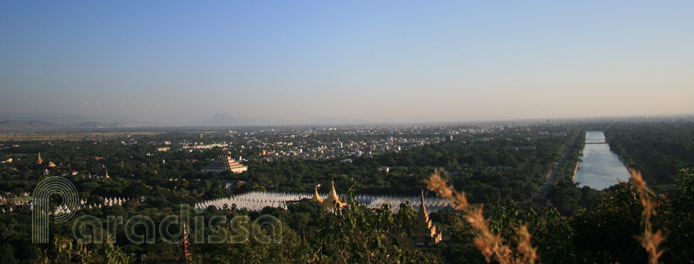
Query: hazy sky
[298, 62]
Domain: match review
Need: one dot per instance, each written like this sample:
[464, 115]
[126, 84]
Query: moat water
[600, 167]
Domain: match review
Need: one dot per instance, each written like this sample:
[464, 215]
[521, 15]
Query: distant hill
[96, 125]
[13, 125]
[219, 119]
[57, 118]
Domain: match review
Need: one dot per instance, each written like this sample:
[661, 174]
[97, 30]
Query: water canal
[600, 167]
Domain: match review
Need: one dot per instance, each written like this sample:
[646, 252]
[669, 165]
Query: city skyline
[277, 63]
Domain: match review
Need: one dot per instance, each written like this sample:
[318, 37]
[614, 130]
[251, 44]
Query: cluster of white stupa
[111, 201]
[256, 201]
[106, 202]
[14, 201]
[432, 204]
[253, 201]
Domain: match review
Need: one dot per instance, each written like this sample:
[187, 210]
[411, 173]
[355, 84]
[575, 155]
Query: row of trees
[658, 149]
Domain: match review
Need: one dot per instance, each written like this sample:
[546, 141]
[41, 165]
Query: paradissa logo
[39, 214]
[140, 229]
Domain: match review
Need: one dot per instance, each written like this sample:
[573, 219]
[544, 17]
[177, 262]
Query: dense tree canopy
[501, 170]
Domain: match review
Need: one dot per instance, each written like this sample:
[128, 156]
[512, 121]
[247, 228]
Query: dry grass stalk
[649, 240]
[490, 244]
[527, 254]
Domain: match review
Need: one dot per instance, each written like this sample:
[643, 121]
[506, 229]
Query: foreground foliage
[625, 219]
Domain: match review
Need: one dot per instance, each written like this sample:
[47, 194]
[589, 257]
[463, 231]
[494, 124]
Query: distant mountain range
[220, 119]
[13, 125]
[94, 124]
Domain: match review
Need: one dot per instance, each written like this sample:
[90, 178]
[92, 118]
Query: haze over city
[314, 62]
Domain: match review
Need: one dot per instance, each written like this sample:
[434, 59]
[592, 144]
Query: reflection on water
[600, 167]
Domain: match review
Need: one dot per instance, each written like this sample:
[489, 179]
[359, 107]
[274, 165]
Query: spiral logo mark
[41, 210]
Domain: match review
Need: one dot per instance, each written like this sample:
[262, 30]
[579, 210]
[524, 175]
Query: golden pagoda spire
[421, 203]
[333, 199]
[333, 193]
[422, 215]
[316, 196]
[106, 176]
[425, 233]
[185, 243]
[39, 160]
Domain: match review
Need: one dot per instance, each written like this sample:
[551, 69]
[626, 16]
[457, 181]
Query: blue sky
[311, 62]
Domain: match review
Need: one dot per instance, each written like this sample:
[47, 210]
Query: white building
[225, 163]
